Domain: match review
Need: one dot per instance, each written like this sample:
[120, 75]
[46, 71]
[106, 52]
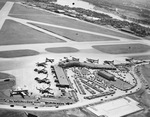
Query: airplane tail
[30, 115]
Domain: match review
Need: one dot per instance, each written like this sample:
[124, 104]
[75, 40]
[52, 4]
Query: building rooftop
[61, 75]
[116, 108]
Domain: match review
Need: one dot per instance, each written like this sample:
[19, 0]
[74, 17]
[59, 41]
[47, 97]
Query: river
[86, 5]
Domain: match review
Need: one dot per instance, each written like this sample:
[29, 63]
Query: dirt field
[75, 35]
[62, 50]
[16, 33]
[63, 21]
[122, 48]
[18, 53]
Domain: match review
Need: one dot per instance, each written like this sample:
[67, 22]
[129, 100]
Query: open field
[148, 37]
[28, 11]
[145, 99]
[122, 48]
[8, 113]
[62, 50]
[5, 75]
[16, 33]
[64, 21]
[6, 85]
[75, 35]
[146, 72]
[18, 53]
[67, 113]
[1, 4]
[143, 57]
[11, 0]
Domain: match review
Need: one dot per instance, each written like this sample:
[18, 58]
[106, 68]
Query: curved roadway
[79, 45]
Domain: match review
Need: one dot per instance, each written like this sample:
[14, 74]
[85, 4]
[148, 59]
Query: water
[76, 3]
[85, 5]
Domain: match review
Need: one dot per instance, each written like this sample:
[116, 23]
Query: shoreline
[94, 18]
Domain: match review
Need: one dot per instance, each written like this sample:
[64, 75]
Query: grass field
[1, 4]
[122, 48]
[5, 75]
[146, 72]
[11, 0]
[28, 11]
[66, 113]
[143, 57]
[63, 21]
[148, 37]
[75, 35]
[8, 113]
[145, 99]
[15, 33]
[18, 53]
[6, 84]
[62, 50]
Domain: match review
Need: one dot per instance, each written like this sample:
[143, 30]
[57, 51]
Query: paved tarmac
[78, 45]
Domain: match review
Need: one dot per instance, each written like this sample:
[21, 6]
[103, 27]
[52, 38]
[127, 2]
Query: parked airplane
[43, 64]
[49, 60]
[109, 62]
[44, 80]
[43, 71]
[47, 90]
[20, 92]
[92, 60]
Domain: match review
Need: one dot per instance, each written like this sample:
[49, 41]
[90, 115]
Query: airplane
[44, 80]
[47, 90]
[109, 62]
[75, 59]
[92, 60]
[21, 92]
[129, 60]
[30, 115]
[43, 64]
[43, 71]
[49, 60]
[66, 59]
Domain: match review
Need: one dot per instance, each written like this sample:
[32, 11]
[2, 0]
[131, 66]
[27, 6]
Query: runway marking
[69, 43]
[26, 22]
[4, 12]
